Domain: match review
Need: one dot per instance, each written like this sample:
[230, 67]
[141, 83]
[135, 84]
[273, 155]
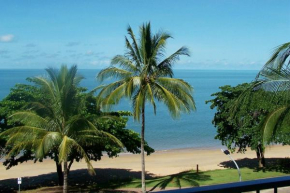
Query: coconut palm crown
[56, 125]
[143, 75]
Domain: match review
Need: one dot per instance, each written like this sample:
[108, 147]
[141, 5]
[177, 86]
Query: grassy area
[193, 179]
[180, 180]
[111, 179]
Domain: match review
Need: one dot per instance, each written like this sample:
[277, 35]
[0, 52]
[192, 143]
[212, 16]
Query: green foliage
[18, 99]
[278, 60]
[53, 124]
[274, 77]
[240, 113]
[129, 138]
[144, 76]
[24, 97]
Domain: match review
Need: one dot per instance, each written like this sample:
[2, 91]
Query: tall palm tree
[56, 125]
[275, 77]
[145, 75]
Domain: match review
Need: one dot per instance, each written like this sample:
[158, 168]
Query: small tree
[240, 128]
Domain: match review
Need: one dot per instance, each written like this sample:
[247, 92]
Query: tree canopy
[24, 97]
[239, 122]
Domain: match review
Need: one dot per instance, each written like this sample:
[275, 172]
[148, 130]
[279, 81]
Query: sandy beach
[159, 163]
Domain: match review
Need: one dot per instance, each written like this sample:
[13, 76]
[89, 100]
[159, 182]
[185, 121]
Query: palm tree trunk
[260, 156]
[69, 166]
[263, 159]
[142, 149]
[65, 177]
[59, 173]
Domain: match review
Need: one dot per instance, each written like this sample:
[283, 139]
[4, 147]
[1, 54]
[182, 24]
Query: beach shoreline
[164, 162]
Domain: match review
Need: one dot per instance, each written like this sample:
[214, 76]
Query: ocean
[194, 130]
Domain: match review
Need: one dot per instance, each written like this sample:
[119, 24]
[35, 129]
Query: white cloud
[6, 38]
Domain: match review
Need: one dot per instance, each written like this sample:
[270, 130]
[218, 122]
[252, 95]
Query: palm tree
[275, 77]
[277, 60]
[143, 76]
[56, 125]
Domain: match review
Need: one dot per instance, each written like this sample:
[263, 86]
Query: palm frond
[81, 151]
[133, 84]
[73, 75]
[150, 96]
[138, 102]
[24, 130]
[49, 141]
[175, 83]
[169, 99]
[113, 72]
[21, 138]
[115, 96]
[29, 119]
[77, 124]
[276, 81]
[46, 86]
[278, 59]
[165, 67]
[82, 130]
[107, 90]
[145, 44]
[180, 89]
[132, 54]
[17, 148]
[53, 76]
[96, 89]
[280, 53]
[135, 46]
[159, 43]
[125, 63]
[112, 138]
[38, 106]
[269, 124]
[65, 148]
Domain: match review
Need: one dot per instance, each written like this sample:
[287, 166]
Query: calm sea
[193, 130]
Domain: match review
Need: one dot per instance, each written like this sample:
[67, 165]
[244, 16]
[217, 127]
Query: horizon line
[214, 69]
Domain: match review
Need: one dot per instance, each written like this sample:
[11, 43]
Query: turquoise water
[193, 130]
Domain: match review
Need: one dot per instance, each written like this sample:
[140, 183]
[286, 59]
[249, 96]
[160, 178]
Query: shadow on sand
[79, 180]
[272, 164]
[107, 180]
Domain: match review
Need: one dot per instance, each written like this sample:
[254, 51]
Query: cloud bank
[6, 38]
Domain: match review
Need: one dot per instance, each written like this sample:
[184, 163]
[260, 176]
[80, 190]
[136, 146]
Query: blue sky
[221, 34]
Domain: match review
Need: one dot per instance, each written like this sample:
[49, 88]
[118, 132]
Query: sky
[221, 34]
